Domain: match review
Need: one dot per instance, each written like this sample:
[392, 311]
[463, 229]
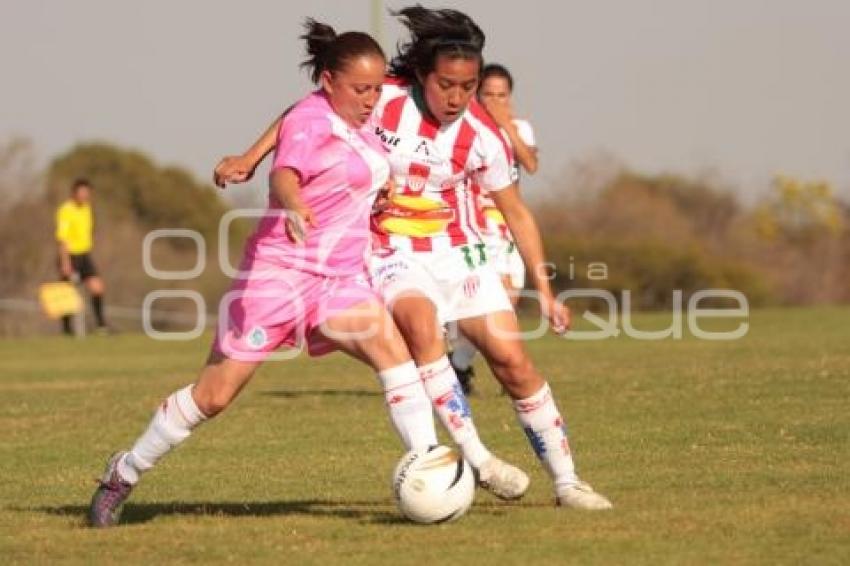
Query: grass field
[713, 452]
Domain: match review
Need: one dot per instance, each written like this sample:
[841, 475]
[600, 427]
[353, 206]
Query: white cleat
[502, 480]
[582, 496]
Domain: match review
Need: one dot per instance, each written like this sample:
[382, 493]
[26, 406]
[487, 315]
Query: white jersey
[439, 169]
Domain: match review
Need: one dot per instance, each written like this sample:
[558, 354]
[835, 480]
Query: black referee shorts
[83, 265]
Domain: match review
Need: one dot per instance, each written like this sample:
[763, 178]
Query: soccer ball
[433, 485]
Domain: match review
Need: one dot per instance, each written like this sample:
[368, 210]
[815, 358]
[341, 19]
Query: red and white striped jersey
[440, 170]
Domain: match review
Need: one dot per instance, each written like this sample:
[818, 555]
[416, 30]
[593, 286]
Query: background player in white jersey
[430, 261]
[495, 92]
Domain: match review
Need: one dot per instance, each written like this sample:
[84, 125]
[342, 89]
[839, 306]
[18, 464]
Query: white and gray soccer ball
[433, 485]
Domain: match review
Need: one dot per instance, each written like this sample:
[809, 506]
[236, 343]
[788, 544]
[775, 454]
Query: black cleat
[464, 376]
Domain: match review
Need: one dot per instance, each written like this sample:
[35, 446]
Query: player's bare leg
[218, 384]
[496, 336]
[416, 317]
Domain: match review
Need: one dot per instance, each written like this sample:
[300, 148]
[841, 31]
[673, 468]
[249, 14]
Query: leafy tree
[800, 211]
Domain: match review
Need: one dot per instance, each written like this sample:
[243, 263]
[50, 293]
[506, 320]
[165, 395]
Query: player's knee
[395, 347]
[386, 346]
[94, 284]
[214, 402]
[417, 335]
[423, 340]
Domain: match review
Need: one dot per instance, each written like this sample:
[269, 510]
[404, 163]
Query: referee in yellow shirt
[74, 231]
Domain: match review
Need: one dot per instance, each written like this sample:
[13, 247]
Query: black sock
[97, 305]
[66, 325]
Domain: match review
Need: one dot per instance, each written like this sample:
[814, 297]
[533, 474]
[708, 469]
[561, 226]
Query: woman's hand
[385, 196]
[296, 223]
[558, 314]
[501, 113]
[240, 168]
[233, 169]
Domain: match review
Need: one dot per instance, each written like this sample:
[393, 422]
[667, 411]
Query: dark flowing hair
[434, 33]
[332, 52]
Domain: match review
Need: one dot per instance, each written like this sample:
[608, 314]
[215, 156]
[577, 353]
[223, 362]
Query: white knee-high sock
[463, 352]
[547, 434]
[453, 409]
[171, 424]
[409, 406]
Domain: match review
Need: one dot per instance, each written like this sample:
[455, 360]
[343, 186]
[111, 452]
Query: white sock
[171, 424]
[409, 406]
[463, 352]
[547, 434]
[453, 409]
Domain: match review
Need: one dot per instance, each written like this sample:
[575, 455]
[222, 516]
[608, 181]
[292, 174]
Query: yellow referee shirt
[74, 227]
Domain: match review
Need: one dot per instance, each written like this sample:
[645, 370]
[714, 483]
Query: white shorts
[461, 284]
[506, 260]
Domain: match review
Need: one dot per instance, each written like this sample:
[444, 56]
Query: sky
[738, 89]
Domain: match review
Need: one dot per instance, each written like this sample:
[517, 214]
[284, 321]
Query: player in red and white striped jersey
[444, 165]
[430, 261]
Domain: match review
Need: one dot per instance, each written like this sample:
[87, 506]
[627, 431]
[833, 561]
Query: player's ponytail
[331, 52]
[434, 33]
[319, 38]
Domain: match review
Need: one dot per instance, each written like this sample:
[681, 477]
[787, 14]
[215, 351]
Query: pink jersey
[441, 168]
[341, 170]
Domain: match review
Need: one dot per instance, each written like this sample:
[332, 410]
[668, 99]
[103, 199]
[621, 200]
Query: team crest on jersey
[416, 183]
[470, 286]
[417, 176]
[257, 338]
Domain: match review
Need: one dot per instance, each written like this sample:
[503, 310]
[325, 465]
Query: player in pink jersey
[302, 279]
[495, 93]
[430, 263]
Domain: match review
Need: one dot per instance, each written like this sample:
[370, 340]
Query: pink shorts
[272, 306]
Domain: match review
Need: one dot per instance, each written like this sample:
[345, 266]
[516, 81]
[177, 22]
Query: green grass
[732, 452]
